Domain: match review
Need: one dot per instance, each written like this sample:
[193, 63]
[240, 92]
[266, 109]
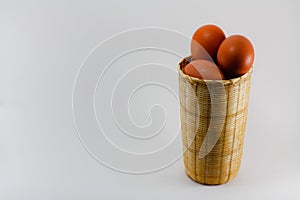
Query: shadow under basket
[213, 117]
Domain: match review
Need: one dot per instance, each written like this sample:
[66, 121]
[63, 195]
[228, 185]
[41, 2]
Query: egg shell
[235, 56]
[203, 69]
[206, 41]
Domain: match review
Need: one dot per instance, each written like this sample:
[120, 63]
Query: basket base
[208, 182]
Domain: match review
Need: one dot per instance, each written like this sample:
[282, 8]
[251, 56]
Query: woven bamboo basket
[213, 122]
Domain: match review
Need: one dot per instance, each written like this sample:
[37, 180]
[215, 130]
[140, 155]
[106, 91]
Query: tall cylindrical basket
[213, 117]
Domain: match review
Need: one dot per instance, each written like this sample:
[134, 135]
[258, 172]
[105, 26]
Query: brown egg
[203, 69]
[206, 41]
[235, 56]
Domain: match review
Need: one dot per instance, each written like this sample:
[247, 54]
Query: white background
[42, 45]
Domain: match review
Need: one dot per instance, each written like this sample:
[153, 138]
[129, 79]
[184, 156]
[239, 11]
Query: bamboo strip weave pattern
[223, 160]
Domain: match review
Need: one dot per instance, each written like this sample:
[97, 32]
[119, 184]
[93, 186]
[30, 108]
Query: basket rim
[197, 80]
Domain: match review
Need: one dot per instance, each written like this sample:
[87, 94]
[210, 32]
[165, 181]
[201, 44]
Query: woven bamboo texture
[222, 161]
